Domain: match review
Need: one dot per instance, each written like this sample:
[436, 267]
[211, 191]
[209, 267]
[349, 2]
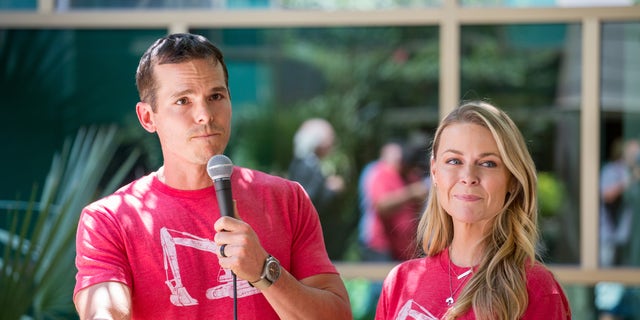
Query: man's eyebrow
[219, 88]
[181, 93]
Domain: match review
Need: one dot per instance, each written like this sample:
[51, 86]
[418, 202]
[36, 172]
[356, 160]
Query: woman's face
[470, 177]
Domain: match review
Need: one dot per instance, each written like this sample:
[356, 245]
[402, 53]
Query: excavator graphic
[412, 310]
[179, 294]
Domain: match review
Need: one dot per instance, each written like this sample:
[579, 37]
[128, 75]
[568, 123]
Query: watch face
[273, 270]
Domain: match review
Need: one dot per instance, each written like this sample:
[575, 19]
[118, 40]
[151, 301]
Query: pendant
[449, 301]
[466, 273]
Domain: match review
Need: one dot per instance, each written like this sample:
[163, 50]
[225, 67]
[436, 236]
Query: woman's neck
[465, 253]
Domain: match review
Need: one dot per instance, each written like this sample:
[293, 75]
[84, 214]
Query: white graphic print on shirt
[179, 295]
[412, 310]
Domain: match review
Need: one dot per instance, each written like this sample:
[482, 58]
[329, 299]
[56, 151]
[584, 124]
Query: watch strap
[261, 284]
[264, 281]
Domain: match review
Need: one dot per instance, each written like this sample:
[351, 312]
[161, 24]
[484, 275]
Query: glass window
[604, 300]
[611, 301]
[62, 5]
[546, 3]
[358, 4]
[524, 70]
[620, 154]
[57, 81]
[18, 4]
[370, 83]
[247, 4]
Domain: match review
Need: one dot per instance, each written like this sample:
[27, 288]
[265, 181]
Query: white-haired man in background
[313, 141]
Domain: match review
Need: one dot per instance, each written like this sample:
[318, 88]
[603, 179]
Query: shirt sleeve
[547, 300]
[100, 254]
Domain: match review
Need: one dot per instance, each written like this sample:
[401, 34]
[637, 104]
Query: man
[618, 188]
[158, 248]
[312, 142]
[393, 191]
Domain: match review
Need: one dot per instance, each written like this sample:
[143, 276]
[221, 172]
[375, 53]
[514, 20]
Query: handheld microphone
[219, 169]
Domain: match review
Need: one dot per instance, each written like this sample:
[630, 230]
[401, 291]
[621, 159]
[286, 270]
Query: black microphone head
[219, 167]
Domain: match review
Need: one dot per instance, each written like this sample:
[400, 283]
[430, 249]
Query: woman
[479, 230]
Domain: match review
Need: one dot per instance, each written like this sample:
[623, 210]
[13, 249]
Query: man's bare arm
[106, 300]
[321, 296]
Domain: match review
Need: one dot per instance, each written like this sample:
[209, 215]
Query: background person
[390, 202]
[393, 191]
[312, 142]
[619, 186]
[158, 248]
[619, 195]
[479, 230]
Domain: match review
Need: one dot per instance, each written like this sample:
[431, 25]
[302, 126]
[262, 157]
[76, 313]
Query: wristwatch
[270, 273]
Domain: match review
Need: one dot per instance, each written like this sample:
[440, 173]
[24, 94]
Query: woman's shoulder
[538, 271]
[541, 281]
[546, 296]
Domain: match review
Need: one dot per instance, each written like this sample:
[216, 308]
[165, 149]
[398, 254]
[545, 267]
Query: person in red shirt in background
[393, 189]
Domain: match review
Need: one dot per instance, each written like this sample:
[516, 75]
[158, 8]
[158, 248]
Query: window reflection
[86, 77]
[246, 4]
[520, 68]
[620, 154]
[546, 3]
[18, 5]
[358, 4]
[371, 83]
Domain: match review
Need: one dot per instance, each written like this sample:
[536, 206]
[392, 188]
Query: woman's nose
[470, 175]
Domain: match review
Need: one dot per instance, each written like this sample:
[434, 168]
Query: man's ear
[145, 116]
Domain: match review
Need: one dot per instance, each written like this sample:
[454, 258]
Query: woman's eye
[181, 101]
[489, 164]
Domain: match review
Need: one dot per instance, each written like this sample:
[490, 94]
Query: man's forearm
[318, 297]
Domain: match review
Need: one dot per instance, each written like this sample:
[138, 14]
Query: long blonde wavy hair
[497, 290]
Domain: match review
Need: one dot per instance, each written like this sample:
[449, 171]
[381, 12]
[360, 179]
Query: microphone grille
[219, 167]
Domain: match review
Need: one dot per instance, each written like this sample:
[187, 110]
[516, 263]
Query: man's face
[193, 111]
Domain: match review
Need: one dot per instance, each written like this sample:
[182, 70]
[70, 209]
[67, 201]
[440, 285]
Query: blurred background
[567, 71]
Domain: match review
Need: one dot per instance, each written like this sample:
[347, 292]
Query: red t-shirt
[419, 288]
[394, 234]
[159, 242]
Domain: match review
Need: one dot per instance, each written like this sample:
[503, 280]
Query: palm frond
[38, 262]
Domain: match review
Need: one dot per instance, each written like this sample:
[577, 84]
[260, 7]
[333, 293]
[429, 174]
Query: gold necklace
[452, 292]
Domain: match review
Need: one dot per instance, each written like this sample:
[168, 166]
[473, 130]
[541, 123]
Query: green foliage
[363, 295]
[376, 83]
[514, 65]
[262, 139]
[37, 270]
[367, 74]
[550, 194]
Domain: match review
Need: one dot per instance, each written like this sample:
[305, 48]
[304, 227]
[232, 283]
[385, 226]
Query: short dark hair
[174, 48]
